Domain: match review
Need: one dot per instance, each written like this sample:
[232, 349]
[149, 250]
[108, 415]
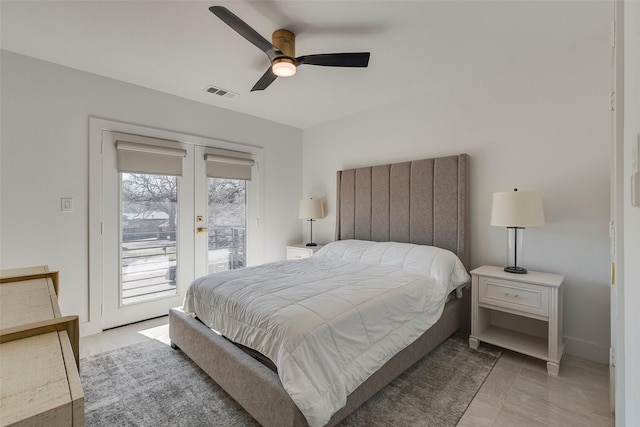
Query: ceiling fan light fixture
[283, 67]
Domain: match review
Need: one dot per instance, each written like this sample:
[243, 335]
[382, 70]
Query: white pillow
[440, 264]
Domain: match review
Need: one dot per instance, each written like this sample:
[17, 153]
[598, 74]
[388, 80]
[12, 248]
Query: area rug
[150, 384]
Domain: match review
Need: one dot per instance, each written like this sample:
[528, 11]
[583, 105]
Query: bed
[422, 202]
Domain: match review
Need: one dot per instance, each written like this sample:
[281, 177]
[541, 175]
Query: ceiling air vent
[220, 92]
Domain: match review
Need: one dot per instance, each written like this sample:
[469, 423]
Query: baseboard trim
[586, 350]
[90, 328]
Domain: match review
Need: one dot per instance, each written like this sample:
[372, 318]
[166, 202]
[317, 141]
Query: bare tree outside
[143, 193]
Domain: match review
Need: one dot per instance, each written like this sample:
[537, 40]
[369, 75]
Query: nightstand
[520, 312]
[301, 251]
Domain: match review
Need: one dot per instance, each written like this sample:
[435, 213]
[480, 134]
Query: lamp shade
[517, 209]
[311, 209]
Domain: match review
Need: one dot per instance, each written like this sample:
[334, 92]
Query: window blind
[134, 157]
[231, 167]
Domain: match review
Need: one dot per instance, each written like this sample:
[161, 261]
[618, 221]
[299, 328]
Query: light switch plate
[66, 204]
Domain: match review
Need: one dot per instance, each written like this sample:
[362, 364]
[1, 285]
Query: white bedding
[330, 321]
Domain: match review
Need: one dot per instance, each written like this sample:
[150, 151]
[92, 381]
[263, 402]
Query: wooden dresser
[39, 353]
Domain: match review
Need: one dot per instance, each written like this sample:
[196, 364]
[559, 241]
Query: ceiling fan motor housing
[285, 40]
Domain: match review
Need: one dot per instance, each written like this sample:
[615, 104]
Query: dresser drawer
[521, 297]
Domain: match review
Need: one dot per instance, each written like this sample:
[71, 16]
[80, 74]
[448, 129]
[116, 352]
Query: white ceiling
[179, 47]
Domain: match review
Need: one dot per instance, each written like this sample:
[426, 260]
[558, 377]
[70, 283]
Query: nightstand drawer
[526, 298]
[298, 253]
[301, 251]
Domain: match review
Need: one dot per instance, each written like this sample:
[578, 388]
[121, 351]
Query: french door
[172, 212]
[222, 204]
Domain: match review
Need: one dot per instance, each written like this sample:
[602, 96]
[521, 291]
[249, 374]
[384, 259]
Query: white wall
[45, 156]
[544, 127]
[631, 292]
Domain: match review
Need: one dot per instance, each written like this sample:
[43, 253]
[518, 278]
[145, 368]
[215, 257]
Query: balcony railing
[149, 266]
[226, 248]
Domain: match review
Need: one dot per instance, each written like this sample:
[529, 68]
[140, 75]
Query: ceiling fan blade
[243, 28]
[359, 59]
[266, 79]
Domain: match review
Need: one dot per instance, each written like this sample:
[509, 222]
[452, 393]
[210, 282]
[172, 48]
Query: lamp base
[516, 270]
[311, 244]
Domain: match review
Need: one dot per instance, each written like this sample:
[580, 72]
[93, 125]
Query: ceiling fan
[281, 52]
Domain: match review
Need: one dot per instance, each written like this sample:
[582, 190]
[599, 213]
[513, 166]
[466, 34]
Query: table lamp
[311, 209]
[516, 210]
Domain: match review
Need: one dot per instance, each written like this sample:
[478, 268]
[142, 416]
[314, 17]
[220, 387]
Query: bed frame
[423, 202]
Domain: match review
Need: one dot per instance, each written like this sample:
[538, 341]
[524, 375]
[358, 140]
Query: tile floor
[123, 336]
[518, 392]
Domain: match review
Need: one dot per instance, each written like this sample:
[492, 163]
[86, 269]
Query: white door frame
[616, 355]
[255, 243]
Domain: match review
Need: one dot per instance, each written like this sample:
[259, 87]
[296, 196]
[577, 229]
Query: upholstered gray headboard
[422, 201]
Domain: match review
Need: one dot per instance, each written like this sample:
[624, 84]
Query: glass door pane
[227, 224]
[148, 232]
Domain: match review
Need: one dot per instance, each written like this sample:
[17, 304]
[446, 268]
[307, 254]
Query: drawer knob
[506, 294]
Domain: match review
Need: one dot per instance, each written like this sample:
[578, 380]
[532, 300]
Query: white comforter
[326, 323]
